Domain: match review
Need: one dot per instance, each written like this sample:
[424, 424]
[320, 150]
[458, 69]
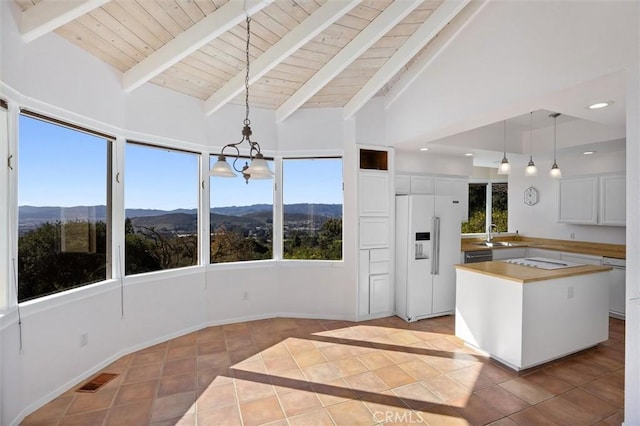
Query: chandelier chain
[246, 79]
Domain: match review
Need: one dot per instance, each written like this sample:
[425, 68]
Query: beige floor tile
[299, 401]
[351, 413]
[526, 391]
[394, 376]
[133, 414]
[313, 418]
[168, 407]
[261, 411]
[84, 419]
[136, 391]
[92, 401]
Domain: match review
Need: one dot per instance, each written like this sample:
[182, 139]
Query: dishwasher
[617, 286]
[478, 256]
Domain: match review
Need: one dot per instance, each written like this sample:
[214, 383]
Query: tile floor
[286, 371]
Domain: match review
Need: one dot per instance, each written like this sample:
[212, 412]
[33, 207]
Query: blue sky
[63, 167]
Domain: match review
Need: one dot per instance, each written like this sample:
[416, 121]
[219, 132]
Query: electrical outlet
[572, 235]
[84, 339]
[245, 295]
[570, 293]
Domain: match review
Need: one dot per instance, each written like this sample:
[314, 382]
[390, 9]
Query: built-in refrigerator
[427, 248]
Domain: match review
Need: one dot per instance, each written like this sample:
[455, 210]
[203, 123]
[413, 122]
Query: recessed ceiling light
[589, 152]
[599, 105]
[468, 154]
[424, 149]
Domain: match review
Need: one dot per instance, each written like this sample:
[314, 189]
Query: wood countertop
[617, 251]
[526, 274]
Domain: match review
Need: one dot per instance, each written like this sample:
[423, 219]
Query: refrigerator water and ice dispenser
[423, 245]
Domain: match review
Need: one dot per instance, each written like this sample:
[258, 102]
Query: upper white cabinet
[458, 188]
[578, 200]
[592, 200]
[373, 190]
[422, 185]
[613, 200]
[403, 184]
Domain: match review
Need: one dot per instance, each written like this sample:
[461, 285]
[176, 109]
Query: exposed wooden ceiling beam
[187, 42]
[446, 36]
[313, 25]
[48, 15]
[427, 31]
[391, 16]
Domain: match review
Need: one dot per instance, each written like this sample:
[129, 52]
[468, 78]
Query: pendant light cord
[531, 137]
[554, 138]
[504, 136]
[246, 78]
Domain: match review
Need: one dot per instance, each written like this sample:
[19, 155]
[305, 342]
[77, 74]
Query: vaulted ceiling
[303, 53]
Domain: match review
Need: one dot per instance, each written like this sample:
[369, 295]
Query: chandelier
[259, 168]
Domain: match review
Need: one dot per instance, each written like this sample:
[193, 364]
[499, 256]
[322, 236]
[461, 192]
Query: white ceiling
[578, 128]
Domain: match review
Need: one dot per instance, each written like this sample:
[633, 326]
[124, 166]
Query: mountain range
[182, 219]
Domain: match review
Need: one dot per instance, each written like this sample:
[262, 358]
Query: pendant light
[555, 170]
[259, 168]
[505, 167]
[531, 169]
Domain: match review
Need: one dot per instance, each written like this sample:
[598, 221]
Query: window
[241, 218]
[481, 195]
[312, 197]
[161, 206]
[63, 199]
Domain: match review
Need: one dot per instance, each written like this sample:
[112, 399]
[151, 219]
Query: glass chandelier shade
[259, 168]
[531, 169]
[505, 167]
[555, 171]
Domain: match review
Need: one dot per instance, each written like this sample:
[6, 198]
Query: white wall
[161, 305]
[540, 220]
[426, 162]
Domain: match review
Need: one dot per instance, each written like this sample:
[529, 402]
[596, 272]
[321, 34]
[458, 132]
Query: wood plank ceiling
[304, 53]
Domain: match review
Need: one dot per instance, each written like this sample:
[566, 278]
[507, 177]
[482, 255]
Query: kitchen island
[526, 312]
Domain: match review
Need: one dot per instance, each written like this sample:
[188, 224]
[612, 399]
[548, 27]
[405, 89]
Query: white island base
[523, 324]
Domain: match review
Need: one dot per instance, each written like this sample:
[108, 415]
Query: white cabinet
[373, 190]
[422, 185]
[613, 200]
[509, 253]
[578, 200]
[403, 184]
[593, 200]
[457, 188]
[379, 289]
[375, 231]
[374, 292]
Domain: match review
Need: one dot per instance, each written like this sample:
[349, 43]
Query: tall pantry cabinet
[376, 212]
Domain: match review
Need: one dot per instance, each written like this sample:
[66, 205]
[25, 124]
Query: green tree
[59, 256]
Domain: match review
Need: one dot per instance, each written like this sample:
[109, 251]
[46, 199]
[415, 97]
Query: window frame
[110, 142]
[159, 146]
[488, 202]
[281, 203]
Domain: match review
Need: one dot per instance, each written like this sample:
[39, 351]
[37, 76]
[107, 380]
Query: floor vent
[97, 382]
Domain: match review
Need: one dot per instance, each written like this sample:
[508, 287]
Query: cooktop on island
[543, 263]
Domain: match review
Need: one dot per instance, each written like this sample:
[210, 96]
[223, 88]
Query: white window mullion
[204, 214]
[117, 208]
[278, 211]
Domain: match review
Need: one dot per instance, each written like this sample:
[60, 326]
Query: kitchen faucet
[489, 229]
